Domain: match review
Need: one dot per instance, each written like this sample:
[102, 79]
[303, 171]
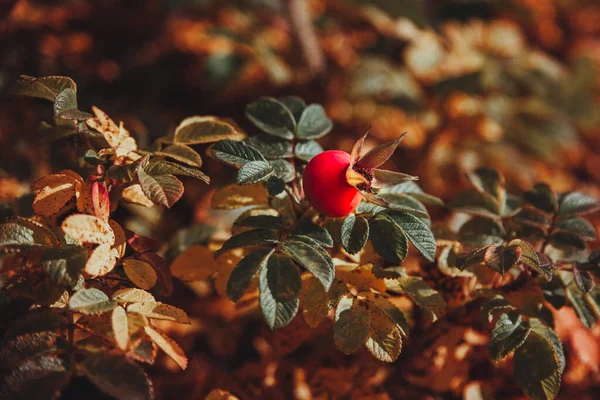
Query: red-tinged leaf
[500, 258]
[357, 149]
[380, 154]
[100, 201]
[141, 244]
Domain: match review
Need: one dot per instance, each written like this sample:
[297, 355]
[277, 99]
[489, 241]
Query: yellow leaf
[54, 180]
[235, 196]
[51, 199]
[360, 277]
[120, 327]
[133, 295]
[168, 345]
[195, 264]
[140, 273]
[88, 229]
[160, 311]
[120, 238]
[218, 394]
[100, 261]
[134, 194]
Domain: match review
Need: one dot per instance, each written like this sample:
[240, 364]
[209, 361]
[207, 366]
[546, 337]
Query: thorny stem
[300, 19]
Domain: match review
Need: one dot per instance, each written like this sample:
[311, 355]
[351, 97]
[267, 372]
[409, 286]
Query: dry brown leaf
[140, 273]
[88, 229]
[160, 311]
[134, 194]
[120, 327]
[100, 262]
[195, 264]
[51, 199]
[120, 239]
[168, 345]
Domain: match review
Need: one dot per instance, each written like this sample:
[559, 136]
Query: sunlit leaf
[88, 229]
[132, 295]
[162, 311]
[428, 299]
[168, 345]
[181, 153]
[90, 302]
[384, 338]
[120, 327]
[203, 129]
[235, 196]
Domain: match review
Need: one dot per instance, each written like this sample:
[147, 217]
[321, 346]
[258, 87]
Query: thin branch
[300, 20]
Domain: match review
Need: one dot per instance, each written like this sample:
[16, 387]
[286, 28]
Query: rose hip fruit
[326, 187]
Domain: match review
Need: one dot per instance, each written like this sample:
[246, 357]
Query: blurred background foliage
[510, 84]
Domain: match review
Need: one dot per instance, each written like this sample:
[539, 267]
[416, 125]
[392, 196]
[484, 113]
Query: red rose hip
[326, 187]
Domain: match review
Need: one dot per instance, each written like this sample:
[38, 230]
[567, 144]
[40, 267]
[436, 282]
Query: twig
[299, 17]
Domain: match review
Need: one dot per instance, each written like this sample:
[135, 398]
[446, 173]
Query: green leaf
[416, 231]
[532, 217]
[161, 167]
[272, 117]
[500, 258]
[385, 179]
[295, 104]
[351, 325]
[355, 233]
[161, 189]
[508, 334]
[412, 189]
[428, 299]
[388, 238]
[37, 378]
[253, 172]
[406, 203]
[115, 375]
[542, 197]
[47, 87]
[584, 280]
[494, 306]
[65, 100]
[577, 203]
[530, 258]
[284, 170]
[254, 237]
[384, 339]
[554, 292]
[235, 153]
[480, 231]
[537, 368]
[540, 328]
[181, 153]
[24, 232]
[306, 252]
[314, 123]
[315, 232]
[586, 305]
[487, 180]
[307, 150]
[275, 185]
[92, 158]
[280, 286]
[64, 264]
[246, 270]
[578, 226]
[472, 201]
[260, 221]
[199, 130]
[566, 241]
[317, 301]
[271, 147]
[91, 302]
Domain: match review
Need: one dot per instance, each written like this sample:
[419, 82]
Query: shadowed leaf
[280, 286]
[272, 117]
[314, 123]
